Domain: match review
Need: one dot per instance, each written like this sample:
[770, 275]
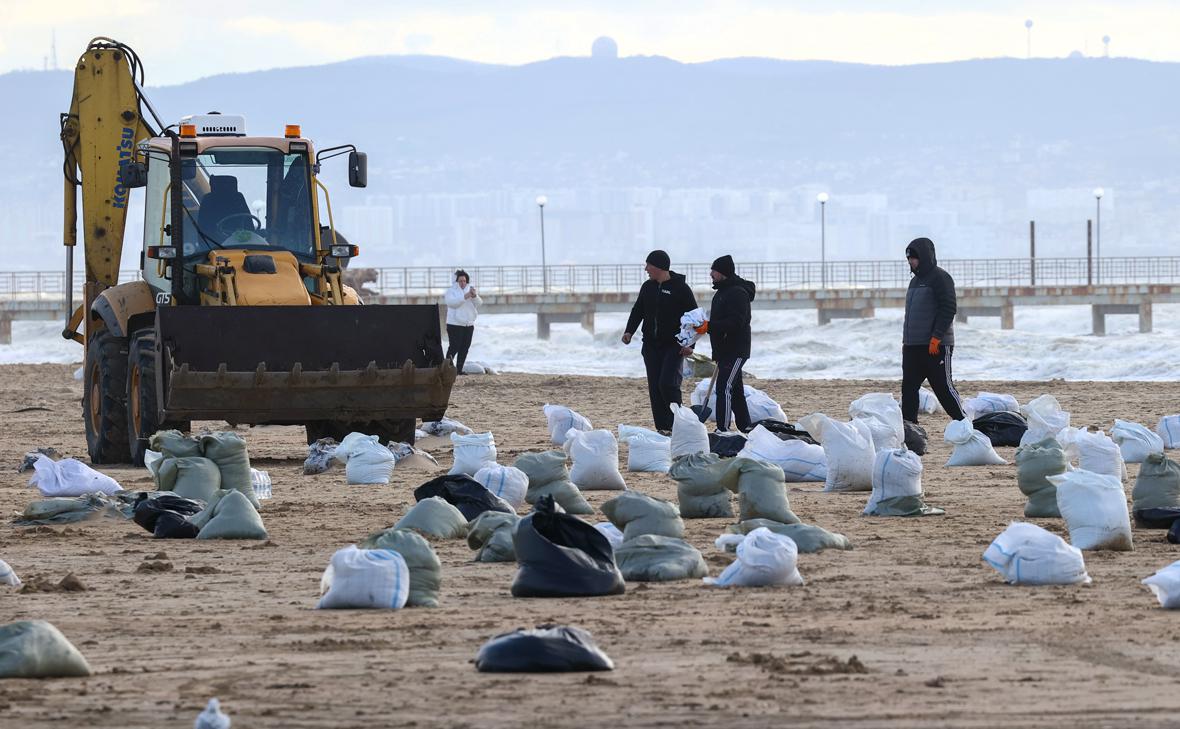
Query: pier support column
[542, 327]
[825, 315]
[1145, 317]
[961, 316]
[1007, 315]
[5, 328]
[588, 320]
[1097, 321]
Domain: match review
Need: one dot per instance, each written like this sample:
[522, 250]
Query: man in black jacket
[729, 333]
[928, 333]
[663, 298]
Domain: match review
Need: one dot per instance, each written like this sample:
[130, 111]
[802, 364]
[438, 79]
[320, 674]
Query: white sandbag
[626, 432]
[472, 452]
[1026, 554]
[70, 477]
[1094, 508]
[972, 448]
[1168, 429]
[882, 413]
[760, 405]
[1135, 441]
[849, 451]
[1045, 419]
[990, 402]
[507, 482]
[365, 578]
[1165, 585]
[763, 558]
[445, 427]
[1094, 451]
[8, 576]
[596, 461]
[927, 402]
[896, 472]
[801, 461]
[689, 434]
[212, 717]
[613, 534]
[365, 459]
[650, 453]
[561, 419]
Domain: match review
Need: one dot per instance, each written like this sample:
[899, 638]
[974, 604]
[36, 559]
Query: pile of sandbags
[562, 420]
[972, 448]
[763, 558]
[365, 578]
[490, 534]
[190, 475]
[596, 460]
[1094, 508]
[472, 452]
[897, 486]
[800, 461]
[647, 450]
[1026, 554]
[652, 548]
[548, 476]
[1035, 462]
[425, 569]
[689, 434]
[506, 482]
[703, 483]
[848, 448]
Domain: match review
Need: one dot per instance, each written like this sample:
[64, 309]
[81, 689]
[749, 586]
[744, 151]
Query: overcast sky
[181, 41]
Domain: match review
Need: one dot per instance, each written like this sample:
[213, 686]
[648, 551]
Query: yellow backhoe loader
[240, 313]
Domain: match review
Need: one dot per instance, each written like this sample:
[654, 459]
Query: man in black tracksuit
[663, 298]
[729, 333]
[928, 334]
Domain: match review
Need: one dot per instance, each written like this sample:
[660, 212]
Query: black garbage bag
[544, 649]
[726, 445]
[148, 510]
[170, 525]
[464, 493]
[560, 555]
[915, 437]
[1159, 518]
[1004, 428]
[1174, 533]
[785, 431]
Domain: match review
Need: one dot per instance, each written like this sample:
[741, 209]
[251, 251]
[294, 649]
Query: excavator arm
[100, 134]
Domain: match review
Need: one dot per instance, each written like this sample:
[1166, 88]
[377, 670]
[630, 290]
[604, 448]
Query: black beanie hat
[660, 260]
[724, 266]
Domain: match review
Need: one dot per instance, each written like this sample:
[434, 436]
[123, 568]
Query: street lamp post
[1098, 193]
[541, 201]
[823, 234]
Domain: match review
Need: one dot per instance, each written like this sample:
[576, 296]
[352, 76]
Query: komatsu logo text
[124, 150]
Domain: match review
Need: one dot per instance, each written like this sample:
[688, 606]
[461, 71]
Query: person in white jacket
[462, 302]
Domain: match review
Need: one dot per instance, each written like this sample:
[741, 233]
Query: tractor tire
[143, 414]
[387, 431]
[104, 399]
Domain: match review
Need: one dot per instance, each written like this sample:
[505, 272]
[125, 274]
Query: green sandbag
[543, 468]
[548, 476]
[905, 506]
[228, 451]
[425, 569]
[638, 514]
[1158, 484]
[1034, 463]
[66, 509]
[435, 516]
[232, 516]
[703, 482]
[656, 558]
[491, 534]
[808, 538]
[762, 492]
[37, 649]
[193, 478]
[174, 444]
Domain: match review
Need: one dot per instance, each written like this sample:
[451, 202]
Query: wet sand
[939, 639]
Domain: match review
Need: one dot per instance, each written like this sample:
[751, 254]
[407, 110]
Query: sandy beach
[938, 638]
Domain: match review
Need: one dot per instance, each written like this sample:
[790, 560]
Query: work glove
[935, 342]
[703, 328]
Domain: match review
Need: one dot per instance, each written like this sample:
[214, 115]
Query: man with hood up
[928, 333]
[662, 300]
[729, 333]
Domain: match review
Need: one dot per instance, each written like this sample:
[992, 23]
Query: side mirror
[358, 169]
[133, 175]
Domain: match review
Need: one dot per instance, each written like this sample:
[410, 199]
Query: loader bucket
[296, 364]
